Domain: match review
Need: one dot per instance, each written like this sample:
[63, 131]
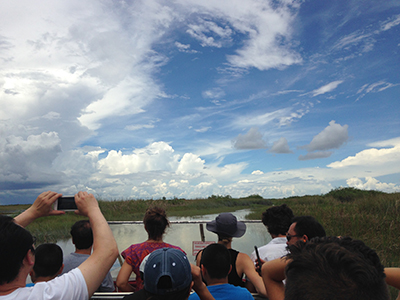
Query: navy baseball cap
[167, 271]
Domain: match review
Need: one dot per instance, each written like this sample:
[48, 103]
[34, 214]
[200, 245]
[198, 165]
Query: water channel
[182, 232]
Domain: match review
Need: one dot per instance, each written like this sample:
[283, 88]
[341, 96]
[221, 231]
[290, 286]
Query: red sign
[199, 245]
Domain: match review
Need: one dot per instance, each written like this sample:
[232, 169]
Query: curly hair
[277, 219]
[334, 268]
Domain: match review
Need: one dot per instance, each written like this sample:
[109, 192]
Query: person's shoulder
[240, 292]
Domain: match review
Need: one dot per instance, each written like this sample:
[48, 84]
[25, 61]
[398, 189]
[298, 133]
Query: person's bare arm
[393, 277]
[245, 265]
[273, 274]
[123, 278]
[105, 250]
[199, 286]
[40, 208]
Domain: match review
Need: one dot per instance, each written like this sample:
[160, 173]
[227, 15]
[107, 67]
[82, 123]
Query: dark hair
[15, 242]
[278, 219]
[334, 268]
[48, 260]
[216, 259]
[82, 235]
[309, 226]
[180, 295]
[155, 222]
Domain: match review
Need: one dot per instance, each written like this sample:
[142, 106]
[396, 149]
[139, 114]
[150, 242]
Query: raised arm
[393, 277]
[40, 208]
[245, 264]
[105, 250]
[273, 274]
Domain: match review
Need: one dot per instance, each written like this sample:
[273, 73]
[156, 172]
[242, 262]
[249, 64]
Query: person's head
[155, 222]
[226, 226]
[304, 228]
[82, 235]
[334, 268]
[48, 262]
[277, 219]
[167, 275]
[15, 244]
[215, 262]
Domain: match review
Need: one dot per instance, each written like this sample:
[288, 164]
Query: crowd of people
[299, 263]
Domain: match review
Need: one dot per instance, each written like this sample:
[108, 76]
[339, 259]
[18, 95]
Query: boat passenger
[226, 227]
[215, 266]
[277, 219]
[327, 268]
[17, 253]
[82, 238]
[168, 275]
[155, 223]
[48, 263]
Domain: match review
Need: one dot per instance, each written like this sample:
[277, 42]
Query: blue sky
[151, 99]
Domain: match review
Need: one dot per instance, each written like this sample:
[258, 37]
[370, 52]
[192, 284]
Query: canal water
[183, 232]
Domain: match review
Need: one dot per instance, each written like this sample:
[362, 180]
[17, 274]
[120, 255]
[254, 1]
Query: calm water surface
[184, 234]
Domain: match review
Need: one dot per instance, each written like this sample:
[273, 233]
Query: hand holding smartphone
[259, 263]
[65, 204]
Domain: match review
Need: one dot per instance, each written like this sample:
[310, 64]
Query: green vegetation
[371, 216]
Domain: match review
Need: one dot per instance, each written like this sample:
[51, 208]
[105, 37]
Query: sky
[145, 99]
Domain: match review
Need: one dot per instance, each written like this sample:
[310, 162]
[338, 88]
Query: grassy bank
[371, 216]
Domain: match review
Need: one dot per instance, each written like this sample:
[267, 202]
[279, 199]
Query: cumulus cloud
[371, 183]
[332, 137]
[370, 157]
[280, 146]
[253, 139]
[28, 160]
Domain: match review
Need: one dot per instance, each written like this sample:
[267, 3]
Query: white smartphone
[65, 203]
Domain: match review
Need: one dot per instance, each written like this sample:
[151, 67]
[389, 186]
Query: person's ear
[61, 269]
[30, 257]
[305, 238]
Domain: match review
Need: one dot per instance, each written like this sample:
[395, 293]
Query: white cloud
[394, 21]
[156, 156]
[266, 24]
[370, 157]
[326, 88]
[27, 160]
[209, 33]
[257, 172]
[253, 139]
[203, 129]
[282, 115]
[373, 184]
[280, 146]
[374, 88]
[333, 136]
[184, 48]
[215, 93]
[139, 126]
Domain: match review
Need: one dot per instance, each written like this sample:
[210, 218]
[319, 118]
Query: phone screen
[66, 203]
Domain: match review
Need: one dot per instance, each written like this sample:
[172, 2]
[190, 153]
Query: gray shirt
[73, 260]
